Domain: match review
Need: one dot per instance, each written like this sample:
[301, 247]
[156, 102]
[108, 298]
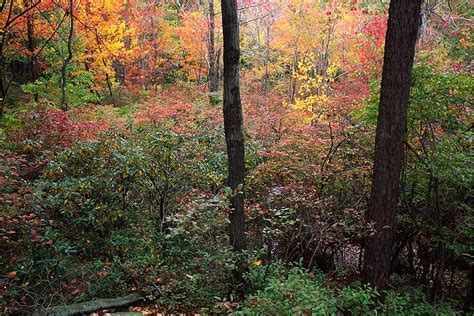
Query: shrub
[192, 264]
[120, 213]
[290, 291]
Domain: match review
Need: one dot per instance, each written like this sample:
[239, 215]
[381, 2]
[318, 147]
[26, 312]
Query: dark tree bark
[64, 102]
[403, 23]
[213, 82]
[31, 51]
[233, 122]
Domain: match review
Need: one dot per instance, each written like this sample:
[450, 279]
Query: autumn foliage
[126, 191]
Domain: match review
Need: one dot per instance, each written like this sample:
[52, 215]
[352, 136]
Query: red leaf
[76, 292]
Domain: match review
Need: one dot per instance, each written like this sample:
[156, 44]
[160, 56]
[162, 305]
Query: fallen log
[89, 307]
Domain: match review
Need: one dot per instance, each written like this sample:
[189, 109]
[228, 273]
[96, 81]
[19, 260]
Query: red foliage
[372, 42]
[54, 129]
[21, 228]
[266, 117]
[155, 114]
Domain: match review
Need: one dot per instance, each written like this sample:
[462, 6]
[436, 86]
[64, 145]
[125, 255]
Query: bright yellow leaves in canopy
[316, 39]
[314, 84]
[104, 32]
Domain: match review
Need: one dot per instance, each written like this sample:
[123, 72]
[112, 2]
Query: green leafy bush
[290, 293]
[193, 261]
[280, 290]
[128, 212]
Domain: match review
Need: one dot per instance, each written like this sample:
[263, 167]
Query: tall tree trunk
[266, 79]
[218, 66]
[213, 82]
[403, 24]
[292, 81]
[64, 103]
[233, 122]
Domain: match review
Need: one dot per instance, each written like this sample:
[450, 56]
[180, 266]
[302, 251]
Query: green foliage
[435, 97]
[288, 291]
[292, 292]
[409, 301]
[439, 176]
[215, 98]
[127, 212]
[195, 259]
[80, 82]
[9, 124]
[357, 299]
[78, 87]
[98, 189]
[439, 98]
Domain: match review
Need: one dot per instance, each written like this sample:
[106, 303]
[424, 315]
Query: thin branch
[34, 57]
[10, 22]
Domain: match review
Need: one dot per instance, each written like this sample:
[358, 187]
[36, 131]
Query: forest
[240, 157]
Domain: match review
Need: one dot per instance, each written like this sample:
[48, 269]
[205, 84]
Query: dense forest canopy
[279, 157]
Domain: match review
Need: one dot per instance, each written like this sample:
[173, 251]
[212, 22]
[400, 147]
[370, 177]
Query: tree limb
[89, 307]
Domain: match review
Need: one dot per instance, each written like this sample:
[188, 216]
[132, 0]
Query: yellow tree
[103, 32]
[317, 37]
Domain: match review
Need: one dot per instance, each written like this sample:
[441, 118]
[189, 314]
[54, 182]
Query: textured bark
[403, 23]
[233, 122]
[64, 103]
[212, 73]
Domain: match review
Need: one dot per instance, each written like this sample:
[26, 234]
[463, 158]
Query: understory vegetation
[126, 191]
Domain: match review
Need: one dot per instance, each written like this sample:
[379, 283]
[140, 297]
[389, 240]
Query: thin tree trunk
[325, 60]
[233, 122]
[64, 102]
[403, 24]
[292, 81]
[31, 51]
[212, 72]
[107, 76]
[93, 89]
[218, 66]
[267, 61]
